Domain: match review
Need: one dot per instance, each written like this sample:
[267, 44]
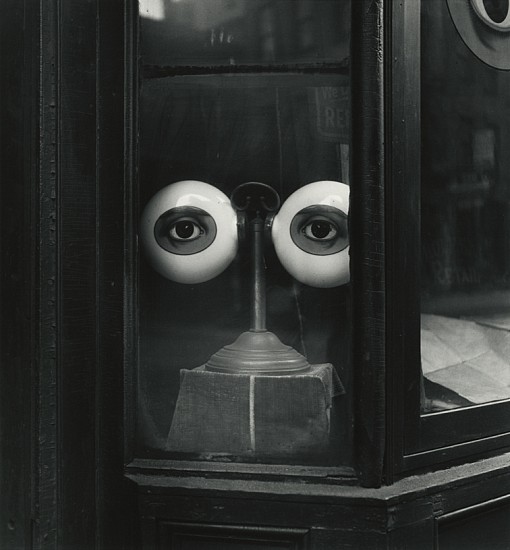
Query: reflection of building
[465, 168]
[207, 15]
[245, 31]
[200, 15]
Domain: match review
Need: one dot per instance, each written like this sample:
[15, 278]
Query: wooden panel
[482, 527]
[347, 539]
[62, 133]
[398, 516]
[418, 536]
[116, 506]
[402, 211]
[18, 138]
[367, 231]
[182, 536]
[251, 510]
[45, 528]
[77, 273]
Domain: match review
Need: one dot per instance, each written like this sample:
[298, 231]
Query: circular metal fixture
[484, 26]
[494, 13]
[258, 353]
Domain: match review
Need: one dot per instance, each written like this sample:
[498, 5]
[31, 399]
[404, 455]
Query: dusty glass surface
[465, 212]
[285, 129]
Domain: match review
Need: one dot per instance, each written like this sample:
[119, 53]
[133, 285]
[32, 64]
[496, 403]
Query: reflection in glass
[465, 336]
[233, 32]
[283, 128]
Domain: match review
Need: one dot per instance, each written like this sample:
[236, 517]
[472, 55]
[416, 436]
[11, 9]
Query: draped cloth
[254, 415]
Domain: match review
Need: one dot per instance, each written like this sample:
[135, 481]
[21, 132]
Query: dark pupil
[320, 229]
[184, 229]
[496, 9]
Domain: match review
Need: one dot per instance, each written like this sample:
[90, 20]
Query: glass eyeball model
[190, 231]
[310, 234]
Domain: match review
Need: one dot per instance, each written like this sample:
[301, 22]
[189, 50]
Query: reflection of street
[490, 304]
[465, 186]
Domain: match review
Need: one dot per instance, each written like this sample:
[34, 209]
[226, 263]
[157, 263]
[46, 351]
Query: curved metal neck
[257, 351]
[258, 304]
[254, 201]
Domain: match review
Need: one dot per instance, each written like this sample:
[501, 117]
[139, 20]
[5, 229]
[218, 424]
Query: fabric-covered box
[254, 415]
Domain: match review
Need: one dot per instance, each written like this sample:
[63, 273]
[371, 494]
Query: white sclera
[322, 271]
[206, 264]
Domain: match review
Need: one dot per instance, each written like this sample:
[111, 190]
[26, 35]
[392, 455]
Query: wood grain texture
[367, 231]
[62, 276]
[402, 209]
[77, 271]
[403, 515]
[198, 536]
[46, 481]
[18, 169]
[116, 505]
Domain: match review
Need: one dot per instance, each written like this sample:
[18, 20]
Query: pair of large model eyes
[189, 231]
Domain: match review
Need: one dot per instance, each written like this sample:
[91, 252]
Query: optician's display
[244, 123]
[191, 233]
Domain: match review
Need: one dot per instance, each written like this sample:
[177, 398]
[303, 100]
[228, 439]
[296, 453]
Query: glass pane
[285, 131]
[465, 212]
[233, 32]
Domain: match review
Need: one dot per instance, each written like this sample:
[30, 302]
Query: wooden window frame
[417, 441]
[367, 267]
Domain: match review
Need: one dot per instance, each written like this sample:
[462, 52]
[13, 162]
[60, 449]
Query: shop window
[465, 218]
[225, 101]
[448, 228]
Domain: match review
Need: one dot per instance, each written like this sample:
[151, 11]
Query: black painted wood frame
[62, 292]
[367, 261]
[67, 305]
[67, 281]
[368, 237]
[417, 442]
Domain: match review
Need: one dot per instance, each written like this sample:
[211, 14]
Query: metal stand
[257, 351]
